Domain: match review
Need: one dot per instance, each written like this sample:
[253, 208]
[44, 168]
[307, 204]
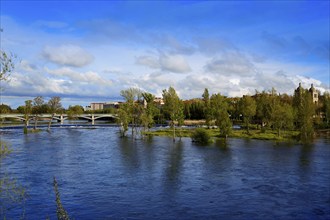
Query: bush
[201, 136]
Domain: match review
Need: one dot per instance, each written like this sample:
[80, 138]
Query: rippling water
[102, 176]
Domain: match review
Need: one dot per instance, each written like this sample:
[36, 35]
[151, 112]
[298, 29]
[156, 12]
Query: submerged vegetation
[201, 136]
[60, 211]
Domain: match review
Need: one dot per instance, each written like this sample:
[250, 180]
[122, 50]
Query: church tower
[315, 94]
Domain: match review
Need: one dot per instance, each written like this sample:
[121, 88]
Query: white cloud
[165, 62]
[68, 54]
[232, 63]
[174, 63]
[148, 61]
[89, 77]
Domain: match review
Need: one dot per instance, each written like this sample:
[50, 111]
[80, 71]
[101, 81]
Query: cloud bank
[69, 55]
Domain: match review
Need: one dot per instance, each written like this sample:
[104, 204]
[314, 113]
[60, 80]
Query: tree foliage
[173, 106]
[305, 113]
[201, 136]
[74, 111]
[5, 109]
[207, 107]
[55, 106]
[37, 109]
[131, 110]
[149, 111]
[281, 116]
[219, 109]
[248, 110]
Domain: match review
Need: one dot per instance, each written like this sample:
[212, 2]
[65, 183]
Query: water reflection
[173, 166]
[129, 153]
[305, 155]
[222, 144]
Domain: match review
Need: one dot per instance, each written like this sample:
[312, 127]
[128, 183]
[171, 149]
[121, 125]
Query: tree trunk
[173, 131]
[35, 122]
[50, 122]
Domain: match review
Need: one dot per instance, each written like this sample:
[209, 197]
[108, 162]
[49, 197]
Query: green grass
[286, 136]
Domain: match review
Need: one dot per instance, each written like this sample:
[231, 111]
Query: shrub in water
[201, 136]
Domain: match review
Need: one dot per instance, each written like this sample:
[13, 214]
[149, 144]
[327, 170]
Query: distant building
[101, 105]
[97, 106]
[315, 94]
[159, 101]
[108, 105]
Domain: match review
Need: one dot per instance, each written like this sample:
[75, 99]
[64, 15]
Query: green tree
[248, 109]
[281, 115]
[149, 111]
[304, 110]
[133, 107]
[201, 136]
[327, 108]
[219, 109]
[37, 109]
[305, 113]
[55, 106]
[5, 109]
[74, 111]
[173, 106]
[27, 110]
[123, 119]
[263, 107]
[207, 107]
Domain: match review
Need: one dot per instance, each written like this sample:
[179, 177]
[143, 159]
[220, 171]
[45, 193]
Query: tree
[304, 110]
[263, 107]
[27, 110]
[123, 119]
[4, 109]
[219, 109]
[327, 107]
[147, 117]
[75, 111]
[133, 107]
[281, 115]
[305, 113]
[207, 107]
[248, 109]
[55, 106]
[37, 109]
[173, 106]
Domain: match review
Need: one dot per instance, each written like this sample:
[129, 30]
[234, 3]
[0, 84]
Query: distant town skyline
[88, 51]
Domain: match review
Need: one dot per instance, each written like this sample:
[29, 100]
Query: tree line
[264, 110]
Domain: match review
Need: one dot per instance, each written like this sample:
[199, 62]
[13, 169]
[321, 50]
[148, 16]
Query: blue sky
[87, 51]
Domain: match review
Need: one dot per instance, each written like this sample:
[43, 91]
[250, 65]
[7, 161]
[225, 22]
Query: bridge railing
[59, 117]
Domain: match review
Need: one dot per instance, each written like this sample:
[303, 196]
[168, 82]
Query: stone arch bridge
[59, 117]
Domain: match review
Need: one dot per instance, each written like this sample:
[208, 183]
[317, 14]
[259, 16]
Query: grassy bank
[253, 134]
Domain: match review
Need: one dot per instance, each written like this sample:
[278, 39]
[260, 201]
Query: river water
[102, 176]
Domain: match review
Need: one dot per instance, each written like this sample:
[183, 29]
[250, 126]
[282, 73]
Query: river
[102, 176]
